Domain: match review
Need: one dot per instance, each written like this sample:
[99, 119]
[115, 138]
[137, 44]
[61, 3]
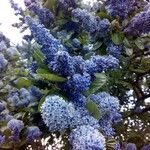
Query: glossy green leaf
[44, 74]
[38, 56]
[117, 38]
[100, 80]
[93, 109]
[22, 82]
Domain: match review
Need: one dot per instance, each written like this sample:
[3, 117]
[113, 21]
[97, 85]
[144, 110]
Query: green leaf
[93, 109]
[129, 51]
[117, 38]
[97, 45]
[38, 56]
[44, 74]
[100, 80]
[139, 43]
[103, 15]
[22, 82]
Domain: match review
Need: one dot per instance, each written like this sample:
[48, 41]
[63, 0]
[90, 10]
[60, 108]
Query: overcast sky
[7, 18]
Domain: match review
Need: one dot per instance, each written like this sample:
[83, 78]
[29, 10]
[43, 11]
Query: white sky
[7, 18]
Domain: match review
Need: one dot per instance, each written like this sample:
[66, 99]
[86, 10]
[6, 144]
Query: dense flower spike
[92, 24]
[100, 63]
[121, 8]
[86, 137]
[62, 64]
[79, 83]
[33, 132]
[60, 120]
[45, 16]
[15, 126]
[140, 24]
[42, 35]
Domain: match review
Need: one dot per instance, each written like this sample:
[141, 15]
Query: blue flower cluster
[114, 50]
[109, 107]
[45, 16]
[86, 137]
[15, 126]
[131, 146]
[140, 24]
[60, 120]
[33, 132]
[146, 147]
[23, 97]
[92, 24]
[3, 62]
[20, 98]
[120, 9]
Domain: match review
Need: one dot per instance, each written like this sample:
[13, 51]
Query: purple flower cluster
[140, 24]
[3, 62]
[33, 132]
[15, 126]
[121, 8]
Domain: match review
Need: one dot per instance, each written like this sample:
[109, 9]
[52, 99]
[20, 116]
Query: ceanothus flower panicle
[42, 35]
[45, 16]
[120, 8]
[107, 104]
[57, 113]
[78, 82]
[87, 138]
[33, 132]
[2, 106]
[62, 64]
[91, 23]
[100, 63]
[140, 24]
[15, 126]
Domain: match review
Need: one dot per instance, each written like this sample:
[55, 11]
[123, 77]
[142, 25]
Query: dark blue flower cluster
[45, 16]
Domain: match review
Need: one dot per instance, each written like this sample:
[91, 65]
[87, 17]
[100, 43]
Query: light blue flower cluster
[15, 126]
[2, 107]
[33, 132]
[56, 113]
[140, 23]
[87, 138]
[91, 23]
[45, 16]
[120, 9]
